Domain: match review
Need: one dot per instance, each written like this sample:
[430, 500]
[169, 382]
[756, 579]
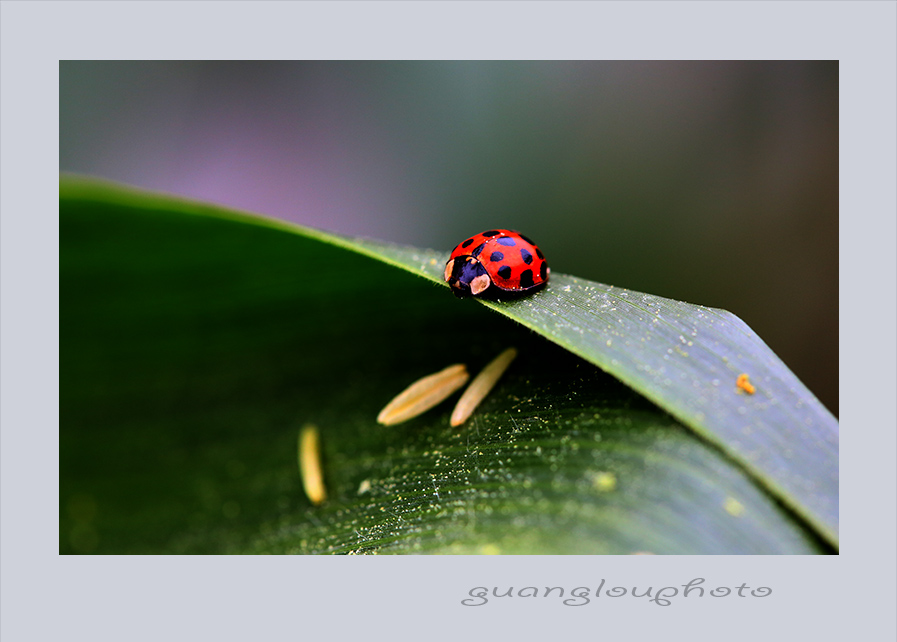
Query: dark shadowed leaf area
[196, 342]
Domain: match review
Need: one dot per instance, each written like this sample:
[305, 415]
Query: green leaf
[197, 341]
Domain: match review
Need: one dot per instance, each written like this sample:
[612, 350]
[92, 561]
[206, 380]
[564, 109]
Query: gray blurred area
[710, 182]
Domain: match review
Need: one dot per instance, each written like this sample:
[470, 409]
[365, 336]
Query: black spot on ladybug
[506, 240]
[505, 272]
[538, 252]
[467, 243]
[526, 279]
[527, 257]
[478, 249]
[496, 257]
[491, 233]
[543, 270]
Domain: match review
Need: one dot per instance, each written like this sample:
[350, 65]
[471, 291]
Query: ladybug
[504, 259]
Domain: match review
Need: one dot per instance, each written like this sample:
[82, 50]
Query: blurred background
[710, 182]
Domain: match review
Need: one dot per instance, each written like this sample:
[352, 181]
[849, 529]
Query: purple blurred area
[710, 182]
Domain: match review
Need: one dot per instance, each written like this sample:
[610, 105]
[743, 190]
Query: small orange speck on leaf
[743, 383]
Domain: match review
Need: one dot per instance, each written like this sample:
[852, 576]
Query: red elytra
[501, 259]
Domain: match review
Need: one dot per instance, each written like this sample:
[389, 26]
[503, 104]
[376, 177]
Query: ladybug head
[466, 276]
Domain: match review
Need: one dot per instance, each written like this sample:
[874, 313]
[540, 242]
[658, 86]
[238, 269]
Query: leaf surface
[196, 341]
